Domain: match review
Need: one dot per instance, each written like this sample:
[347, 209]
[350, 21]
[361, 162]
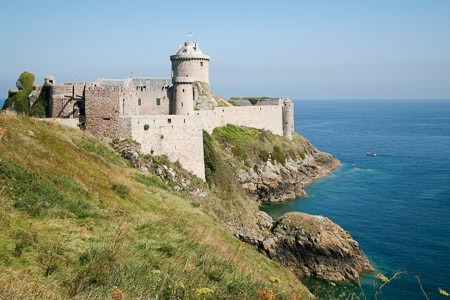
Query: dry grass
[127, 240]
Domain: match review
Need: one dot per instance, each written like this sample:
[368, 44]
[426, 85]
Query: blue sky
[327, 49]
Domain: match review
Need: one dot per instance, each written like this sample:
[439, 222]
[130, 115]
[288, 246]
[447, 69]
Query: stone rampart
[178, 137]
[260, 117]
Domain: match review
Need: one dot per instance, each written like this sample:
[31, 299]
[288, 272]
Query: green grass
[77, 222]
[252, 146]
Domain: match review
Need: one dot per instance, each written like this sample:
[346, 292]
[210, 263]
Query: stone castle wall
[102, 114]
[159, 114]
[178, 137]
[146, 96]
[63, 99]
[261, 117]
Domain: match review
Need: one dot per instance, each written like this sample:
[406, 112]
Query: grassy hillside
[77, 222]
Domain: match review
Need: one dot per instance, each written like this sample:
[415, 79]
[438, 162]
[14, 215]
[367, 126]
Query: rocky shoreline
[314, 246]
[276, 182]
[310, 246]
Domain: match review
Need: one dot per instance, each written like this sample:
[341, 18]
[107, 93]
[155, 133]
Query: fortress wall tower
[188, 65]
[288, 117]
[183, 96]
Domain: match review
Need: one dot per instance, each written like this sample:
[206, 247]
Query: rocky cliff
[204, 99]
[274, 182]
[314, 246]
[268, 168]
[271, 168]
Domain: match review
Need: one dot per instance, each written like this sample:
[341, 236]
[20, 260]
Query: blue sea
[395, 204]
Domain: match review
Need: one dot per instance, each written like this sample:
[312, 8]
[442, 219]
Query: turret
[288, 117]
[188, 65]
[49, 80]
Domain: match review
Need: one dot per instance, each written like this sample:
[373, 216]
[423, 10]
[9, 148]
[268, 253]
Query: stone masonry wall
[147, 96]
[194, 69]
[62, 99]
[102, 115]
[261, 117]
[178, 137]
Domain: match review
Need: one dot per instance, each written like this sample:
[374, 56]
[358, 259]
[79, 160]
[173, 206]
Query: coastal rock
[275, 182]
[314, 246]
[204, 99]
[311, 246]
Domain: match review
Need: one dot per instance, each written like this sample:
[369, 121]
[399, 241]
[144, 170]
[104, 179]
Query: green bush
[121, 190]
[278, 155]
[210, 157]
[264, 155]
[19, 100]
[24, 239]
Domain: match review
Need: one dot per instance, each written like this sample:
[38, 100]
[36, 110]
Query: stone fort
[166, 116]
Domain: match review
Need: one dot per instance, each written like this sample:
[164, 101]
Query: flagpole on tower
[190, 34]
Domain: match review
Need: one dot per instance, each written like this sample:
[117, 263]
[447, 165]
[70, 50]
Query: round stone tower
[288, 117]
[188, 65]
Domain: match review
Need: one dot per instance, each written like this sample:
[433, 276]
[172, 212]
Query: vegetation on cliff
[270, 167]
[18, 99]
[76, 221]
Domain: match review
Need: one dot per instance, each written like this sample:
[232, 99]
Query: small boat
[371, 154]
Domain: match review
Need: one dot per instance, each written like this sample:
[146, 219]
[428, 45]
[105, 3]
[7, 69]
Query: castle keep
[165, 115]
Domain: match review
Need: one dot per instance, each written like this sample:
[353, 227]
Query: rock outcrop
[204, 99]
[274, 182]
[310, 246]
[314, 246]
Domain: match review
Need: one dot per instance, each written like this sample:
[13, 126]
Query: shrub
[264, 155]
[210, 156]
[19, 100]
[239, 152]
[24, 240]
[278, 155]
[121, 190]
